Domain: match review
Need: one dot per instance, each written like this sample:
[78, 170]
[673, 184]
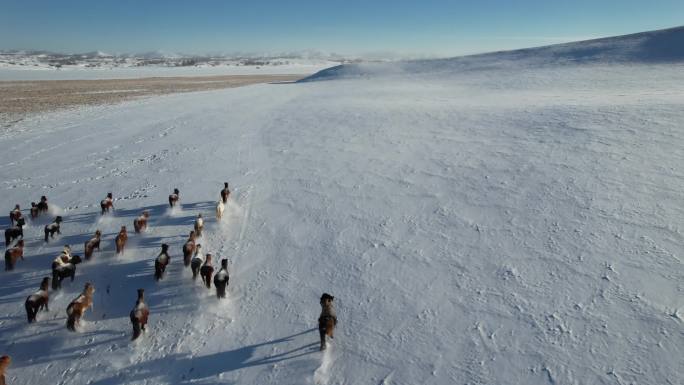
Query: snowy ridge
[662, 46]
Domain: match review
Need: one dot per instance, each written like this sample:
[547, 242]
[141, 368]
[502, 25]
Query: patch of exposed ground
[19, 99]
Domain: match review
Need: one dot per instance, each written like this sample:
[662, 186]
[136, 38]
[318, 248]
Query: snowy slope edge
[652, 47]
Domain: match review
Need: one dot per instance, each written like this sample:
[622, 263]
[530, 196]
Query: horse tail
[30, 311]
[71, 317]
[322, 333]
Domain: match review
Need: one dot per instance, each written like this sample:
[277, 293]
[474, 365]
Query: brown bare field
[21, 98]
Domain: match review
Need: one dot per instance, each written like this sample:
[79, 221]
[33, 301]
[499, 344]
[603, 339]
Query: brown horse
[120, 240]
[37, 301]
[189, 249]
[161, 262]
[91, 245]
[15, 214]
[140, 223]
[107, 204]
[13, 254]
[5, 361]
[206, 271]
[199, 225]
[79, 305]
[15, 232]
[34, 210]
[139, 315]
[327, 320]
[173, 198]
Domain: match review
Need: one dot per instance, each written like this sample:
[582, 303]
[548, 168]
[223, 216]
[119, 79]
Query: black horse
[221, 279]
[14, 232]
[53, 228]
[37, 301]
[60, 273]
[173, 198]
[161, 262]
[42, 206]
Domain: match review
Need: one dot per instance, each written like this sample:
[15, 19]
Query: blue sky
[429, 27]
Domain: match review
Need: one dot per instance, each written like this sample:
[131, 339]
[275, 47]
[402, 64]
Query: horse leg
[136, 330]
[56, 281]
[321, 332]
[71, 323]
[329, 327]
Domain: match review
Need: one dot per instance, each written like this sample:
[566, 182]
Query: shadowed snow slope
[662, 46]
[476, 228]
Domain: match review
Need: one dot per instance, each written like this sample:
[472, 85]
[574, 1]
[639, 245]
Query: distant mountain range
[99, 59]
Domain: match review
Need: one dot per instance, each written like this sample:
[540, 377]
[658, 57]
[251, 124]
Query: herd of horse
[64, 266]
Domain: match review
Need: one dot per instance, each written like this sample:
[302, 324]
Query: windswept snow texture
[653, 47]
[488, 227]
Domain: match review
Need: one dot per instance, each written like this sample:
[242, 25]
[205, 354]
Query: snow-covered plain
[511, 225]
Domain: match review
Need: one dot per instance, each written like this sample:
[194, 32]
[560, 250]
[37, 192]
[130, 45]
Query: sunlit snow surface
[504, 226]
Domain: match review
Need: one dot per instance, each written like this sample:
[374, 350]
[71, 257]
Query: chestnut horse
[91, 245]
[189, 249]
[79, 305]
[14, 232]
[13, 254]
[199, 225]
[327, 320]
[34, 210]
[140, 223]
[120, 240]
[5, 361]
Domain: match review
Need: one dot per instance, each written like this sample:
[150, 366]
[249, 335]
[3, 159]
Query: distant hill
[653, 47]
